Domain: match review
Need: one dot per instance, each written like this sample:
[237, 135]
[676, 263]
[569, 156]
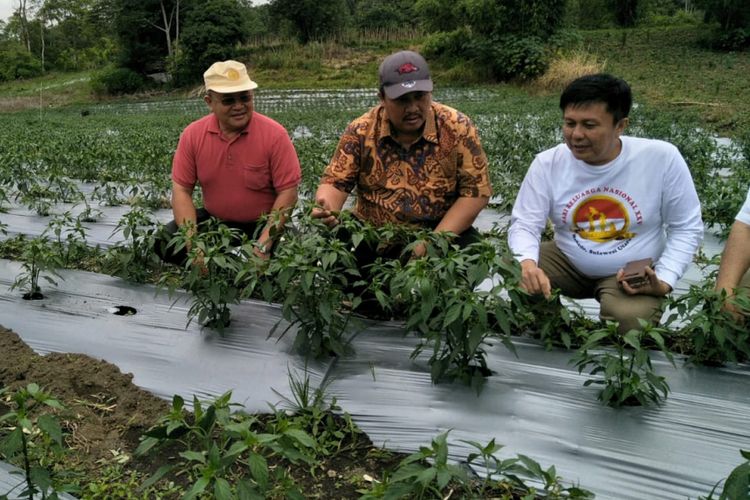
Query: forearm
[735, 260]
[461, 215]
[330, 198]
[183, 208]
[282, 206]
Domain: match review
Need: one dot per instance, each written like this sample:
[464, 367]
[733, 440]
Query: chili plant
[35, 440]
[133, 258]
[313, 273]
[214, 258]
[70, 237]
[715, 335]
[40, 260]
[625, 365]
[443, 305]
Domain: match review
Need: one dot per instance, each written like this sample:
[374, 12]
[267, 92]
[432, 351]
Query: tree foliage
[313, 19]
[212, 32]
[733, 19]
[505, 38]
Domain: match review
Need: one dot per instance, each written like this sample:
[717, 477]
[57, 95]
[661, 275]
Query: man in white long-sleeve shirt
[734, 271]
[612, 199]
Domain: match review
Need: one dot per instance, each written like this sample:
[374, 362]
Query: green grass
[668, 68]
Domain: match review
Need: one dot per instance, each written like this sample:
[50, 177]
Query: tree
[211, 32]
[507, 38]
[733, 19]
[142, 44]
[378, 14]
[313, 19]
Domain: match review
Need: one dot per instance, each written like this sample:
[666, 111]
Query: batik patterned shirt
[414, 186]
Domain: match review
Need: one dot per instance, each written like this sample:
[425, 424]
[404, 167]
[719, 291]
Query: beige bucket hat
[226, 77]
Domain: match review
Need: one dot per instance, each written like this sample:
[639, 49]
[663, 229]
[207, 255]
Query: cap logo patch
[232, 74]
[408, 84]
[407, 68]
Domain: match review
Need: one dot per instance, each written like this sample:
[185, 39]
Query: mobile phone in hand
[634, 272]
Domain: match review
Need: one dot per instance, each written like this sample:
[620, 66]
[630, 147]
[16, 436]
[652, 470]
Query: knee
[627, 310]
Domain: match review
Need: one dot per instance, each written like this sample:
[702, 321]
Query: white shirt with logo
[641, 204]
[744, 214]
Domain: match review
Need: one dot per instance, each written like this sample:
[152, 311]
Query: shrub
[17, 63]
[116, 81]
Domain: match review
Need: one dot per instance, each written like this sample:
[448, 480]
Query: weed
[427, 473]
[220, 447]
[36, 441]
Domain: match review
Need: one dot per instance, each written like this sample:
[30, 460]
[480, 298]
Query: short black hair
[601, 87]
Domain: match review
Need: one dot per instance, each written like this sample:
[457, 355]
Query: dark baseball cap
[404, 72]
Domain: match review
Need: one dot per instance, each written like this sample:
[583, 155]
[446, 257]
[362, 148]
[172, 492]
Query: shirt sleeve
[343, 170]
[744, 214]
[530, 213]
[285, 168]
[184, 171]
[681, 213]
[473, 167]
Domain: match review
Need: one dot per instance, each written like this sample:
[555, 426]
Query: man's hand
[653, 285]
[198, 263]
[534, 280]
[324, 212]
[420, 249]
[262, 251]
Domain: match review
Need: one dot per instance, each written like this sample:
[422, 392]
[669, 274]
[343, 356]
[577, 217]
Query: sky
[7, 6]
[6, 9]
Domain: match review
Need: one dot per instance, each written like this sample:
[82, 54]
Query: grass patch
[669, 68]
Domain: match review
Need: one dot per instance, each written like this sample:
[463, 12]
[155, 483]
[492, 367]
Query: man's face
[591, 134]
[232, 110]
[408, 113]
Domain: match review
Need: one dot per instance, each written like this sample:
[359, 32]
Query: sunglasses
[229, 100]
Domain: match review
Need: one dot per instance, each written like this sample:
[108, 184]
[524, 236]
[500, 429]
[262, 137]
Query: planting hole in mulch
[33, 296]
[122, 310]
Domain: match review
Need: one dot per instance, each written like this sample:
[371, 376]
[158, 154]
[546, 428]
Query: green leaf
[737, 485]
[426, 476]
[222, 490]
[198, 487]
[247, 491]
[258, 469]
[41, 478]
[13, 442]
[155, 477]
[51, 427]
[194, 456]
[301, 436]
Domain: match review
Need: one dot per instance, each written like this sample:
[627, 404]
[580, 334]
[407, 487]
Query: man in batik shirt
[412, 161]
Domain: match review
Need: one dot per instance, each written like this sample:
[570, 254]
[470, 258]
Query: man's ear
[622, 125]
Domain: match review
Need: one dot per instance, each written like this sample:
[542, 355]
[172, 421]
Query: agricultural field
[84, 188]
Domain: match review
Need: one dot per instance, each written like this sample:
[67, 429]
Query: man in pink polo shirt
[244, 161]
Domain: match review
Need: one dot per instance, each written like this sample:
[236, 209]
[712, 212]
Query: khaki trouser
[615, 305]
